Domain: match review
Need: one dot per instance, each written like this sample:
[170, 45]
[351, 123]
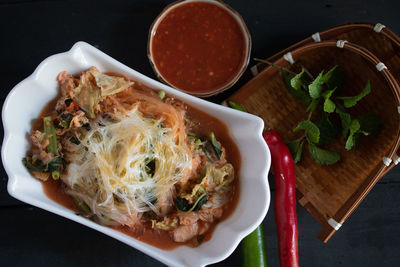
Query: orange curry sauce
[198, 47]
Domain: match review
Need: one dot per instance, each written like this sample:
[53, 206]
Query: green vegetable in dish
[216, 145]
[161, 94]
[82, 206]
[50, 131]
[182, 204]
[55, 165]
[66, 119]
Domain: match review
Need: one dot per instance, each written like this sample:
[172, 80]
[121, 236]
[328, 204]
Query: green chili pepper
[253, 249]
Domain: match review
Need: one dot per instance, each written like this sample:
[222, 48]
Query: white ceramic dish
[245, 129]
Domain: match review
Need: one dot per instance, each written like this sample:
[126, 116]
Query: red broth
[198, 47]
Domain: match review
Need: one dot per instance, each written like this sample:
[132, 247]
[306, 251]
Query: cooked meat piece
[188, 218]
[185, 232]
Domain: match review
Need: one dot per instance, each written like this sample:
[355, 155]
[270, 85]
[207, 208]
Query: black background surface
[30, 31]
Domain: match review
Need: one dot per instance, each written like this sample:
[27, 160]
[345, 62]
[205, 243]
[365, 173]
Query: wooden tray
[331, 193]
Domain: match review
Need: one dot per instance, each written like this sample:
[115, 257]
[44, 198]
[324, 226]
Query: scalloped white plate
[25, 101]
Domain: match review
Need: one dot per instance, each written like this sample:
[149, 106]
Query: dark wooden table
[32, 30]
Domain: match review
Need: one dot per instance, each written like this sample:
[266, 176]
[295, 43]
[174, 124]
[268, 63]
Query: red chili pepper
[285, 199]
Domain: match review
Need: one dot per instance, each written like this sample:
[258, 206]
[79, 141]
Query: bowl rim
[235, 15]
[82, 47]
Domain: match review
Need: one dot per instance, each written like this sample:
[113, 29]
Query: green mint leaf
[296, 149]
[311, 129]
[323, 156]
[354, 126]
[350, 101]
[335, 78]
[370, 124]
[350, 142]
[354, 130]
[296, 82]
[313, 105]
[345, 119]
[328, 131]
[300, 95]
[329, 105]
[315, 87]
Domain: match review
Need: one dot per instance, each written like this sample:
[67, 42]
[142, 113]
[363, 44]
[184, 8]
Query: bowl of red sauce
[201, 47]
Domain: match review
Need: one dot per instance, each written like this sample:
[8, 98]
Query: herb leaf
[55, 166]
[328, 131]
[313, 105]
[323, 156]
[296, 149]
[300, 95]
[66, 119]
[182, 204]
[350, 101]
[335, 78]
[329, 105]
[36, 168]
[296, 82]
[311, 129]
[199, 202]
[345, 119]
[216, 145]
[370, 124]
[354, 130]
[315, 87]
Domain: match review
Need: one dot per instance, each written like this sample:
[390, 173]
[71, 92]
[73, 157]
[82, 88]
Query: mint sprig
[321, 93]
[351, 101]
[312, 130]
[323, 156]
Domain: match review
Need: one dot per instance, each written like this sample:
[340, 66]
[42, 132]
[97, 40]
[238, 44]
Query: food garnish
[329, 113]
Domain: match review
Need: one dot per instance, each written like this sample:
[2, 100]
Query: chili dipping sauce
[199, 47]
